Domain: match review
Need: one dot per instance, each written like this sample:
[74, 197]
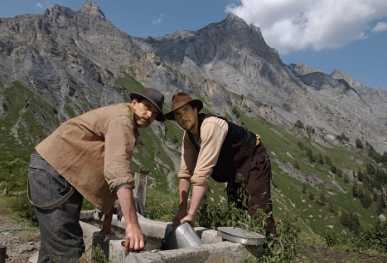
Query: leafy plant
[217, 211]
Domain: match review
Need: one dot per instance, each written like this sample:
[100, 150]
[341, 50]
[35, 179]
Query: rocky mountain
[63, 62]
[72, 59]
[237, 58]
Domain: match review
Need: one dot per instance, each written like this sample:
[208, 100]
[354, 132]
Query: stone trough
[213, 249]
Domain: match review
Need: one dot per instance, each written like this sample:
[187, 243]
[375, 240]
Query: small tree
[304, 188]
[322, 199]
[360, 176]
[333, 169]
[300, 145]
[328, 161]
[321, 159]
[332, 208]
[371, 169]
[355, 190]
[299, 124]
[365, 199]
[359, 144]
[296, 165]
[346, 179]
[310, 130]
[339, 172]
[381, 205]
[351, 221]
[309, 154]
[342, 138]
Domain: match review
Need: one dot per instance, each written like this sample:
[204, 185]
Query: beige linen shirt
[93, 152]
[198, 166]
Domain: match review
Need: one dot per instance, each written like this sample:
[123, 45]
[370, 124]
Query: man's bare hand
[134, 238]
[181, 213]
[189, 218]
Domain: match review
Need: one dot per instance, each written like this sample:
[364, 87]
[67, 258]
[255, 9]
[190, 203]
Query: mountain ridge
[64, 52]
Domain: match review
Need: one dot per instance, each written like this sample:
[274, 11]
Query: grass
[280, 143]
[22, 126]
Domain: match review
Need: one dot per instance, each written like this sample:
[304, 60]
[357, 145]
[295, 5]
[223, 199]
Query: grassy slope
[290, 197]
[288, 193]
[20, 129]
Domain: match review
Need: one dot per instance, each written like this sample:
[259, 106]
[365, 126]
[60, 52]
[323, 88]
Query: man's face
[186, 117]
[144, 112]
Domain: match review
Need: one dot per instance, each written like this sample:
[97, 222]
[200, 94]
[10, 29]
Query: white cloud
[158, 20]
[42, 4]
[291, 25]
[380, 27]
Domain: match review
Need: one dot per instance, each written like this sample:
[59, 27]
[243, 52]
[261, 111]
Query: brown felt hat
[179, 100]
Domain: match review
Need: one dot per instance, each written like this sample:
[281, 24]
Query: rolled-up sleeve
[119, 144]
[212, 135]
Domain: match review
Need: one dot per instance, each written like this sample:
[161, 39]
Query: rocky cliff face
[72, 59]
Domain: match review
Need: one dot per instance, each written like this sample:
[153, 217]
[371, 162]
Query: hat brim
[160, 116]
[195, 103]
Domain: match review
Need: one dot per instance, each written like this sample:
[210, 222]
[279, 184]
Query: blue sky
[350, 35]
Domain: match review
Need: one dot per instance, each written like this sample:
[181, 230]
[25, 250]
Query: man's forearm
[197, 195]
[184, 185]
[128, 208]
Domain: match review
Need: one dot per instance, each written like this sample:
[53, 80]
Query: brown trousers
[254, 191]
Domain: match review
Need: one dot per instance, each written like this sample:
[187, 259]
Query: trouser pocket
[46, 188]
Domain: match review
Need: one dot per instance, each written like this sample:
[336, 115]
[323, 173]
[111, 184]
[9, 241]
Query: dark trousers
[57, 206]
[253, 193]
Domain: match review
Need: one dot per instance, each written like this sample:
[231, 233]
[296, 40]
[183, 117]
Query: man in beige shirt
[213, 146]
[89, 156]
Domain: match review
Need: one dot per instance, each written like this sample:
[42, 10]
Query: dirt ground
[20, 238]
[322, 254]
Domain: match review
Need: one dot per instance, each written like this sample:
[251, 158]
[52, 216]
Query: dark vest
[237, 147]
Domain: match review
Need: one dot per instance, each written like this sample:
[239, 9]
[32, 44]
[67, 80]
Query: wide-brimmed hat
[179, 100]
[153, 96]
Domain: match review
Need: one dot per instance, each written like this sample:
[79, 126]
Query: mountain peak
[91, 8]
[338, 74]
[303, 69]
[232, 18]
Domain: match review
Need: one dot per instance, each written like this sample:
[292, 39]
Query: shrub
[375, 237]
[154, 209]
[300, 145]
[309, 154]
[358, 144]
[310, 130]
[328, 161]
[371, 169]
[22, 207]
[296, 165]
[299, 124]
[332, 238]
[346, 179]
[342, 138]
[333, 169]
[236, 112]
[355, 190]
[365, 199]
[351, 221]
[217, 211]
[339, 172]
[322, 199]
[332, 208]
[321, 159]
[304, 188]
[311, 196]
